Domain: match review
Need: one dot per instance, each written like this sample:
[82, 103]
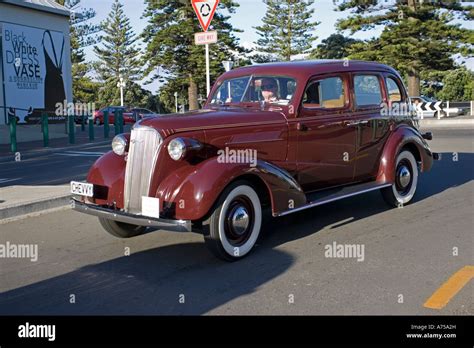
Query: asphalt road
[53, 167]
[408, 255]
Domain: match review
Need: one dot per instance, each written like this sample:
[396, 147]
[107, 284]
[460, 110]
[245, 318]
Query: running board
[331, 195]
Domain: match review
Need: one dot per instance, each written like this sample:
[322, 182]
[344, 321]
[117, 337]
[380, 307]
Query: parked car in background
[279, 138]
[422, 101]
[129, 114]
[143, 112]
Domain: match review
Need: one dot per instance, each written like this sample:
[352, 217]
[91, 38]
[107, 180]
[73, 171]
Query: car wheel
[121, 229]
[406, 179]
[233, 228]
[97, 121]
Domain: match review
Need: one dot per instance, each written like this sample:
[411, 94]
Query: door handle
[301, 127]
[356, 123]
[352, 124]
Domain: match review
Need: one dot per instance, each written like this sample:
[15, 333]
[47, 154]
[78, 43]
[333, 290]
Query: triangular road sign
[205, 10]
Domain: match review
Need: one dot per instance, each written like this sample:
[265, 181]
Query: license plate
[82, 189]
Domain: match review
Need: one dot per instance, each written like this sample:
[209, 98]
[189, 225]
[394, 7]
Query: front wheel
[406, 179]
[234, 226]
[121, 229]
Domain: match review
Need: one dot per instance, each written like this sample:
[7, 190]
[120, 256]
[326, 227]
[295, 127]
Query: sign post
[205, 10]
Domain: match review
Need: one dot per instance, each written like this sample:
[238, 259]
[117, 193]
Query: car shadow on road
[157, 280]
[446, 173]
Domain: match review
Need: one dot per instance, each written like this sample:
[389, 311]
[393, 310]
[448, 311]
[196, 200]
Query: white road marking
[80, 154]
[3, 180]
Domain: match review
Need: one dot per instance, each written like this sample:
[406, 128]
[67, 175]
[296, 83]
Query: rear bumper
[138, 220]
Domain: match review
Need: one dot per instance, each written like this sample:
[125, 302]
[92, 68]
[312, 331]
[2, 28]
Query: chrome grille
[142, 155]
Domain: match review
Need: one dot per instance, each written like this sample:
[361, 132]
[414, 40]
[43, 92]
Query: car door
[371, 124]
[325, 143]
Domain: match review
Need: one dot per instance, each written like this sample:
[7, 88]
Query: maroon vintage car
[287, 136]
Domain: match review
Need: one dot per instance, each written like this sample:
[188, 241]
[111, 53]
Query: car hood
[211, 119]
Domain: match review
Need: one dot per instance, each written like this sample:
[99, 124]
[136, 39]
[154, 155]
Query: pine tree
[117, 56]
[334, 46]
[287, 29]
[419, 37]
[82, 34]
[169, 37]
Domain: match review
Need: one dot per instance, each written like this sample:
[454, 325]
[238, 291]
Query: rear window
[394, 93]
[367, 90]
[325, 93]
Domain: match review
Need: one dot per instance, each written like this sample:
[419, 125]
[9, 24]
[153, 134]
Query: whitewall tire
[406, 179]
[234, 225]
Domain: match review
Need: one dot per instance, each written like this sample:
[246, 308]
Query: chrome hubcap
[240, 220]
[404, 176]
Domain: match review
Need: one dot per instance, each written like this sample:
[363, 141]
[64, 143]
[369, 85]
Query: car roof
[306, 68]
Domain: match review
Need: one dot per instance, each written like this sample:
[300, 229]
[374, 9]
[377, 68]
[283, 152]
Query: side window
[326, 93]
[394, 93]
[367, 90]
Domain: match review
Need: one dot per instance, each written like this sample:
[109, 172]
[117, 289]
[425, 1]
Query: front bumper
[138, 220]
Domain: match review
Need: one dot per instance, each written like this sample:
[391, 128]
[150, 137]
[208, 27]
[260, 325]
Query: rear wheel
[406, 178]
[233, 228]
[121, 229]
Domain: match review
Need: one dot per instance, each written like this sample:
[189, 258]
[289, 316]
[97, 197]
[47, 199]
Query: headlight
[119, 144]
[177, 149]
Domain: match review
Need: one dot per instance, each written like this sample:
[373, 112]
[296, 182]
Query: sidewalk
[57, 140]
[22, 200]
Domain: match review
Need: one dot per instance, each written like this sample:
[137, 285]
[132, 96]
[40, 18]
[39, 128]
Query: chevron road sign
[430, 106]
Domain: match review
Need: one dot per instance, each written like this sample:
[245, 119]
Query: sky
[247, 16]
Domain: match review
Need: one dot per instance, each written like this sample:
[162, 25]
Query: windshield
[248, 89]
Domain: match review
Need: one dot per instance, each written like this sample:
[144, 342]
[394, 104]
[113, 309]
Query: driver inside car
[269, 89]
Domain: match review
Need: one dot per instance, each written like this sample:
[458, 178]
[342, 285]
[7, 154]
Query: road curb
[33, 207]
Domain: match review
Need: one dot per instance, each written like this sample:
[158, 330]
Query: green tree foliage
[287, 29]
[82, 34]
[334, 47]
[419, 37]
[458, 85]
[171, 52]
[117, 57]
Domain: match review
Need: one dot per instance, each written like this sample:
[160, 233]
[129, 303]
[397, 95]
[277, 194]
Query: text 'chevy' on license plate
[82, 189]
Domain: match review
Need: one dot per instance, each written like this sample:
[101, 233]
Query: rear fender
[401, 137]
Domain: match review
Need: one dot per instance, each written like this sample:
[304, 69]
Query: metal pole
[13, 146]
[106, 124]
[91, 128]
[44, 122]
[208, 78]
[72, 129]
[116, 125]
[83, 123]
[121, 121]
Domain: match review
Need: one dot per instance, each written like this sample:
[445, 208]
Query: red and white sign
[205, 10]
[208, 37]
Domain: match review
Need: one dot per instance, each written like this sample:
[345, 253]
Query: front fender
[401, 137]
[195, 189]
[109, 171]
